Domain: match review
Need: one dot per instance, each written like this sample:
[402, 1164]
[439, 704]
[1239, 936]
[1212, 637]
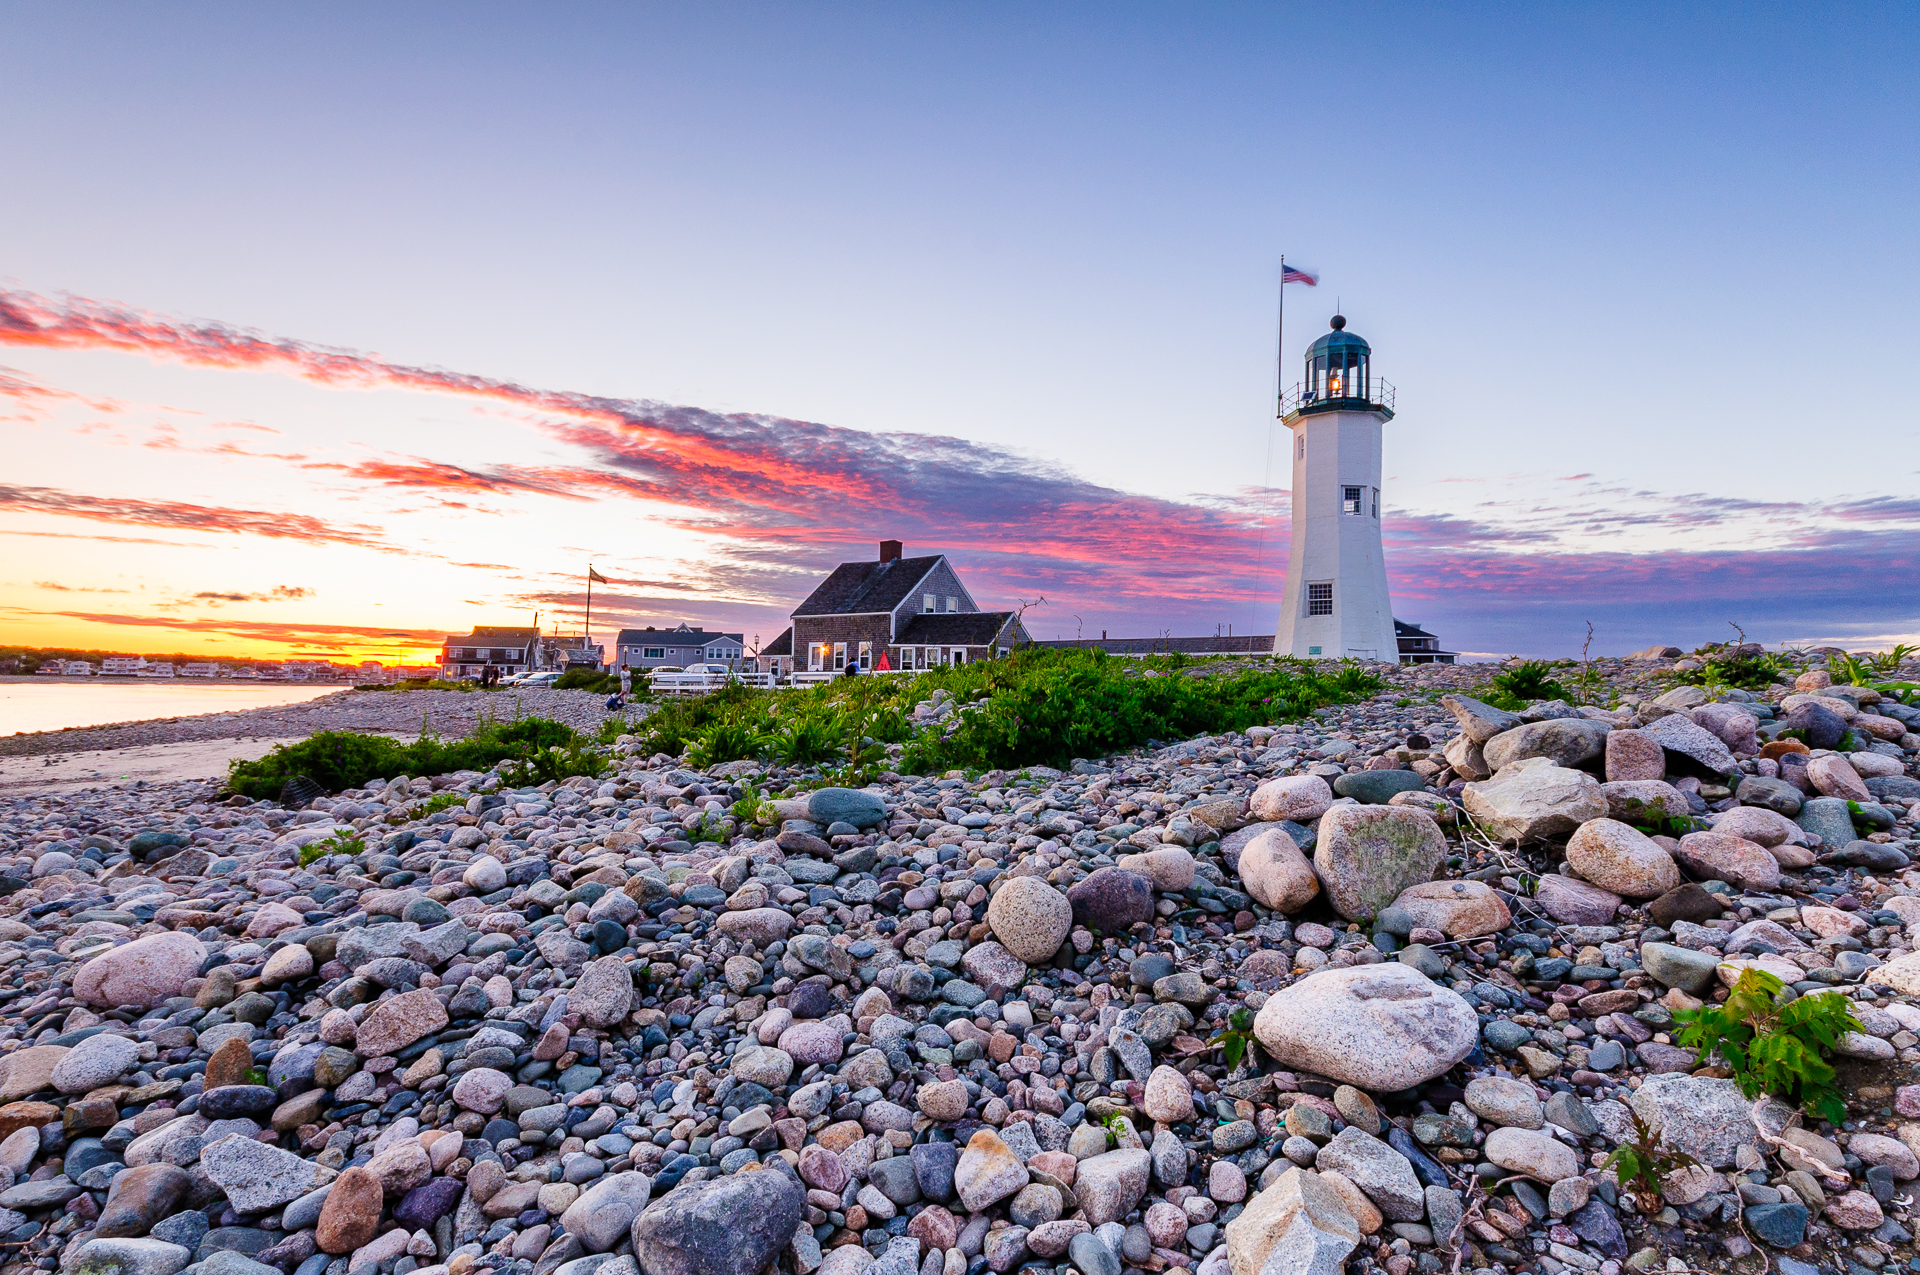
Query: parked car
[547, 678]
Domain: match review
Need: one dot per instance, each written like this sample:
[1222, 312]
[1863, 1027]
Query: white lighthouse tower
[1336, 602]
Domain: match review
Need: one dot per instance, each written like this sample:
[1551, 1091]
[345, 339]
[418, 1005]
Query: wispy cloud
[279, 593]
[780, 500]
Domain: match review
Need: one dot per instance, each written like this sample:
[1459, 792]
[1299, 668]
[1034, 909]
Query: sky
[327, 332]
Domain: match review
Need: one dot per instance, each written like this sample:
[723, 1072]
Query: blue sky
[1642, 277]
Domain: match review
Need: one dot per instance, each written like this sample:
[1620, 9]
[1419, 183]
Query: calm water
[35, 703]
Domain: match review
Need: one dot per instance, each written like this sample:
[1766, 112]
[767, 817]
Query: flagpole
[1280, 345]
[588, 634]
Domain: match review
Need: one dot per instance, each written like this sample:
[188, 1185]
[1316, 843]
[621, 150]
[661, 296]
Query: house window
[839, 656]
[866, 656]
[1350, 499]
[919, 655]
[953, 605]
[1004, 652]
[928, 603]
[816, 656]
[1320, 598]
[1313, 650]
[655, 653]
[959, 655]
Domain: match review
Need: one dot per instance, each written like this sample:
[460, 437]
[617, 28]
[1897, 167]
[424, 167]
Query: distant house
[675, 647]
[1417, 646]
[565, 653]
[200, 668]
[893, 613]
[157, 670]
[123, 666]
[507, 650]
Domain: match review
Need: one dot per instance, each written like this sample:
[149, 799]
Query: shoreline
[452, 714]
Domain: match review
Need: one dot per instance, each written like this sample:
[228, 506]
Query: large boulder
[1634, 755]
[142, 974]
[1718, 856]
[394, 1024]
[1630, 799]
[1379, 1027]
[604, 993]
[1704, 1117]
[1458, 909]
[1621, 859]
[733, 1225]
[1030, 918]
[1565, 741]
[1534, 799]
[1276, 873]
[1299, 798]
[602, 1215]
[1732, 724]
[1367, 855]
[1111, 900]
[1691, 748]
[857, 806]
[1297, 1226]
[1572, 902]
[1478, 722]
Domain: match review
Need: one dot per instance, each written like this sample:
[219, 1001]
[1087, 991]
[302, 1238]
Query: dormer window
[929, 603]
[953, 605]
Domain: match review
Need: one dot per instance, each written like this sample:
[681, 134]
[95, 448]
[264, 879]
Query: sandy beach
[200, 746]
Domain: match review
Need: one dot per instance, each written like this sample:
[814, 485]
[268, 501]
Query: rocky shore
[1380, 990]
[453, 714]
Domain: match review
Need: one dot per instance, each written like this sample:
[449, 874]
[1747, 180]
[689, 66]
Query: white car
[537, 679]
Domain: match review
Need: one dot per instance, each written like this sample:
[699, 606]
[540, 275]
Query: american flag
[1294, 274]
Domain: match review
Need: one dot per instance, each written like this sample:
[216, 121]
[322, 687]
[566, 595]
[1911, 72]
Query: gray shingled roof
[866, 588]
[972, 628]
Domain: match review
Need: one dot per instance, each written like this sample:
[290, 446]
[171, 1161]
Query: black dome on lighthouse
[1339, 339]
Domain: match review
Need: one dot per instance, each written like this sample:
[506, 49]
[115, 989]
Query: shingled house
[505, 650]
[892, 614]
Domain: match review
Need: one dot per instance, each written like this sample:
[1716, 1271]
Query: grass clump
[1035, 707]
[1731, 667]
[343, 841]
[1775, 1046]
[339, 759]
[1642, 1167]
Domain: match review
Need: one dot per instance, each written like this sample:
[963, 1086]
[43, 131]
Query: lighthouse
[1336, 603]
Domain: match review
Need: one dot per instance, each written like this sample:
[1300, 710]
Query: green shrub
[1773, 1046]
[347, 759]
[343, 841]
[722, 742]
[1730, 668]
[1520, 686]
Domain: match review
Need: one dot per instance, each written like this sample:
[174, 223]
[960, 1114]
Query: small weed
[1890, 661]
[1235, 1039]
[708, 829]
[1642, 1166]
[1654, 820]
[343, 841]
[751, 809]
[553, 764]
[1775, 1047]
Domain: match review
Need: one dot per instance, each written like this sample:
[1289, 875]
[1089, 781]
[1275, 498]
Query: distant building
[894, 613]
[563, 653]
[675, 647]
[505, 650]
[123, 666]
[157, 670]
[1417, 646]
[66, 668]
[200, 668]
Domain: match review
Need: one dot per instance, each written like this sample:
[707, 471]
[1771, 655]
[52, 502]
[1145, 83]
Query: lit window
[816, 656]
[953, 604]
[1320, 598]
[928, 603]
[1350, 499]
[839, 656]
[866, 655]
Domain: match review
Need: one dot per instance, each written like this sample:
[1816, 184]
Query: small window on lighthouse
[1303, 447]
[1376, 502]
[1320, 598]
[1350, 499]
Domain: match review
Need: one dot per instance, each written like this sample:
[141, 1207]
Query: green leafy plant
[1732, 668]
[1849, 671]
[1642, 1166]
[1774, 1046]
[553, 764]
[348, 759]
[1523, 684]
[343, 841]
[802, 741]
[1899, 692]
[436, 803]
[1890, 661]
[720, 743]
[1235, 1038]
[752, 809]
[1116, 1126]
[710, 828]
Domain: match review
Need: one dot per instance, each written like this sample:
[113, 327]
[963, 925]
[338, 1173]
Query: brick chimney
[890, 550]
